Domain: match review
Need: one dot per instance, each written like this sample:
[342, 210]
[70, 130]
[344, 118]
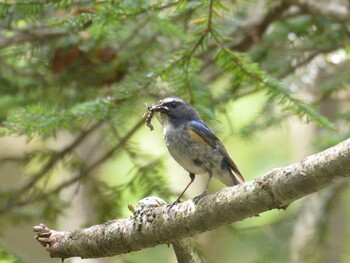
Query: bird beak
[158, 108]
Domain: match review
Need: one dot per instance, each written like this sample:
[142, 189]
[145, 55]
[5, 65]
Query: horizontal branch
[15, 199]
[83, 171]
[152, 224]
[32, 35]
[328, 9]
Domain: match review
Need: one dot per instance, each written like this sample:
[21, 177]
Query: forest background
[270, 77]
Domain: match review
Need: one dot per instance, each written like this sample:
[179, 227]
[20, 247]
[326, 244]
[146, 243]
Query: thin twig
[55, 158]
[84, 171]
[32, 34]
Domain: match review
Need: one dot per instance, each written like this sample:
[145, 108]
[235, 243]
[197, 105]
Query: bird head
[174, 109]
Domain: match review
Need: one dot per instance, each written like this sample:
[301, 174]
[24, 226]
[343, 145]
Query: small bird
[193, 145]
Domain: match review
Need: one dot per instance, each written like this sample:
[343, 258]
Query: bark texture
[153, 224]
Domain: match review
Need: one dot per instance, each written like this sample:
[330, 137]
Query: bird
[193, 145]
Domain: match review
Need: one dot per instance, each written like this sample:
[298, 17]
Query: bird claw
[173, 204]
[199, 197]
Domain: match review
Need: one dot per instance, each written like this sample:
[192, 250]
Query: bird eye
[173, 104]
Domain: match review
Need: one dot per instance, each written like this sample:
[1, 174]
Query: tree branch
[84, 171]
[32, 35]
[184, 252]
[153, 224]
[15, 201]
[331, 10]
[257, 27]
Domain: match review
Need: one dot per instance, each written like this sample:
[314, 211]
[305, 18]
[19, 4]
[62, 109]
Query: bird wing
[203, 131]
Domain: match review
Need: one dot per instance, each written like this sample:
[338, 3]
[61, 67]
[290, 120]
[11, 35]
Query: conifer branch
[37, 34]
[84, 171]
[53, 160]
[242, 67]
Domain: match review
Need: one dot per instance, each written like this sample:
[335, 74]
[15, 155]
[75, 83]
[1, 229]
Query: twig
[32, 34]
[56, 157]
[310, 57]
[84, 171]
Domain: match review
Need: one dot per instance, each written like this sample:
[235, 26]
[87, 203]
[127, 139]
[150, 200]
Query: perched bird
[193, 145]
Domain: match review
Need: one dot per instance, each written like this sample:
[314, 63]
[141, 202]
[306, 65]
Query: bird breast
[193, 155]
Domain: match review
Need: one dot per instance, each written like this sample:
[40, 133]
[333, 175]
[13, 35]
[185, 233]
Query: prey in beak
[157, 108]
[150, 112]
[165, 109]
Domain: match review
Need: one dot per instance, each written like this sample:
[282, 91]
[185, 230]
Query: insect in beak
[158, 108]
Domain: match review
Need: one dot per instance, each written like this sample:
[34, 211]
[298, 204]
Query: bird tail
[237, 177]
[232, 175]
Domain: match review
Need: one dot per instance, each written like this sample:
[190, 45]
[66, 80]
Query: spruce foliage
[84, 67]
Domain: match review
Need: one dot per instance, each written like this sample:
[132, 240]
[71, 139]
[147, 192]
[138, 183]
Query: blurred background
[271, 78]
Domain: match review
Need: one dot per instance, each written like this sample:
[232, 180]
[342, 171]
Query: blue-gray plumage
[193, 145]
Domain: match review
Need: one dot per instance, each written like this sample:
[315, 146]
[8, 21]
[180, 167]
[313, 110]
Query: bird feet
[199, 197]
[173, 204]
[195, 200]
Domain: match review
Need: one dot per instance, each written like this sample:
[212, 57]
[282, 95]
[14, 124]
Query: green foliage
[7, 257]
[89, 67]
[98, 60]
[150, 171]
[241, 67]
[106, 200]
[271, 119]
